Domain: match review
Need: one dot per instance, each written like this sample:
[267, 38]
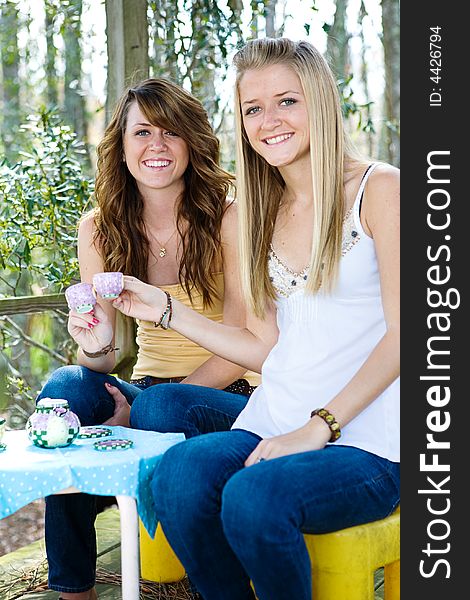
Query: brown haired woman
[162, 215]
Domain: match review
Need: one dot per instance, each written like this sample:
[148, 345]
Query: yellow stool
[343, 562]
[158, 562]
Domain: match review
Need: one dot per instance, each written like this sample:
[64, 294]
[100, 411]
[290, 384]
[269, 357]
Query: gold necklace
[163, 251]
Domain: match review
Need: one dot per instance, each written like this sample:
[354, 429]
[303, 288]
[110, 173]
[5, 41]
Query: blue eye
[288, 101]
[252, 110]
[142, 132]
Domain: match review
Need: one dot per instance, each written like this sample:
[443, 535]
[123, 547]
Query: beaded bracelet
[330, 421]
[106, 350]
[165, 319]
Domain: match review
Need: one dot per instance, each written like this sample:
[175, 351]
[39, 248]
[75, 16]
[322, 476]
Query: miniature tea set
[53, 424]
[2, 431]
[81, 297]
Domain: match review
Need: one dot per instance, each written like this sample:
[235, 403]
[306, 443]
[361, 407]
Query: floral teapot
[53, 424]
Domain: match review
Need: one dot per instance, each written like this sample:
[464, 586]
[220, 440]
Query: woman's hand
[122, 410]
[312, 436]
[140, 300]
[92, 331]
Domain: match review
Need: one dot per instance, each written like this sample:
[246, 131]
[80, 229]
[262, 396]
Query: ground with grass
[22, 528]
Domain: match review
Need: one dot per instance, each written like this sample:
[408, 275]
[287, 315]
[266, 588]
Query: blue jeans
[189, 409]
[230, 524]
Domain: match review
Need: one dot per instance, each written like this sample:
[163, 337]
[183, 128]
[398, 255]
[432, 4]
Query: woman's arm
[92, 331]
[381, 220]
[216, 371]
[247, 346]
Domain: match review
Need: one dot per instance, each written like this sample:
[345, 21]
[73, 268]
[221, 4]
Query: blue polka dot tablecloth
[28, 472]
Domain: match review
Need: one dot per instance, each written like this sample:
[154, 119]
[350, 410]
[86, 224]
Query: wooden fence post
[125, 341]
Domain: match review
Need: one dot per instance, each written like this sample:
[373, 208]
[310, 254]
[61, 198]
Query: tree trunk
[52, 92]
[164, 39]
[203, 60]
[391, 45]
[127, 43]
[9, 27]
[254, 23]
[74, 99]
[337, 49]
[270, 17]
[365, 78]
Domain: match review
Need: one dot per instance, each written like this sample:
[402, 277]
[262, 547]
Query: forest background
[63, 65]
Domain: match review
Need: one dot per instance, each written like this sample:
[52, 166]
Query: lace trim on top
[350, 233]
[286, 281]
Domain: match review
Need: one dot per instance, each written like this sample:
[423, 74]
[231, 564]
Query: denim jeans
[189, 409]
[230, 524]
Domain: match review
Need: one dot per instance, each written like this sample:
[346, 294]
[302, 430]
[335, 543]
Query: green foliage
[192, 43]
[351, 107]
[41, 199]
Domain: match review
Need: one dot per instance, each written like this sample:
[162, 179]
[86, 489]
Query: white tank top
[323, 341]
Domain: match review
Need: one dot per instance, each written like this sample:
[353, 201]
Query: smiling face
[156, 158]
[275, 116]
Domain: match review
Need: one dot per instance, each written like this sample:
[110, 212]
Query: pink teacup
[108, 285]
[80, 297]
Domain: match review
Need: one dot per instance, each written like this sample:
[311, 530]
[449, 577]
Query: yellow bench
[343, 562]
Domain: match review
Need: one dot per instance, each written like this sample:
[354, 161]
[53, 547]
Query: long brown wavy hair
[120, 229]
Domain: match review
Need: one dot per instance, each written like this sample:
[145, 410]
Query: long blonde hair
[260, 186]
[120, 229]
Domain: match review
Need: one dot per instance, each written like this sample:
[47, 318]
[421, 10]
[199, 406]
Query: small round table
[28, 473]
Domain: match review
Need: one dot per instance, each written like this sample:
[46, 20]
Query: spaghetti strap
[356, 207]
[365, 177]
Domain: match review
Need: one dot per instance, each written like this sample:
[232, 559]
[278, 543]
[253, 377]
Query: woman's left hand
[312, 436]
[140, 300]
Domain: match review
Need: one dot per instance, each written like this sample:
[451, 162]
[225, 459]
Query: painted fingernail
[90, 325]
[95, 320]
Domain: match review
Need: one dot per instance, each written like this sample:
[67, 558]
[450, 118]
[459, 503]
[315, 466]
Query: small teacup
[108, 285]
[80, 297]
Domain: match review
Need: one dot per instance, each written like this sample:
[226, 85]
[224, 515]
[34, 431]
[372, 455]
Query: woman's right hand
[140, 300]
[92, 331]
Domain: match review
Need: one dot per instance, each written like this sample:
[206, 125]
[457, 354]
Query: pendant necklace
[163, 251]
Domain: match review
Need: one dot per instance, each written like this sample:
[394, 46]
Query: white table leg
[130, 570]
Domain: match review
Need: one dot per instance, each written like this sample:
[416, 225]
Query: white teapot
[53, 424]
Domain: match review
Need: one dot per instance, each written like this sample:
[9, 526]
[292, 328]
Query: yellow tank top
[166, 353]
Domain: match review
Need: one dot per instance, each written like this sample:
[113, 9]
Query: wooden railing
[125, 327]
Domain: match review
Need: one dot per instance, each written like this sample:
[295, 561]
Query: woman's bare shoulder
[87, 228]
[381, 205]
[384, 183]
[229, 227]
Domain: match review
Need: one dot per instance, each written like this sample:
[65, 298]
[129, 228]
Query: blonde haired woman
[317, 447]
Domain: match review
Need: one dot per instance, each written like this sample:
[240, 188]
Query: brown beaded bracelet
[106, 350]
[330, 421]
[165, 319]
